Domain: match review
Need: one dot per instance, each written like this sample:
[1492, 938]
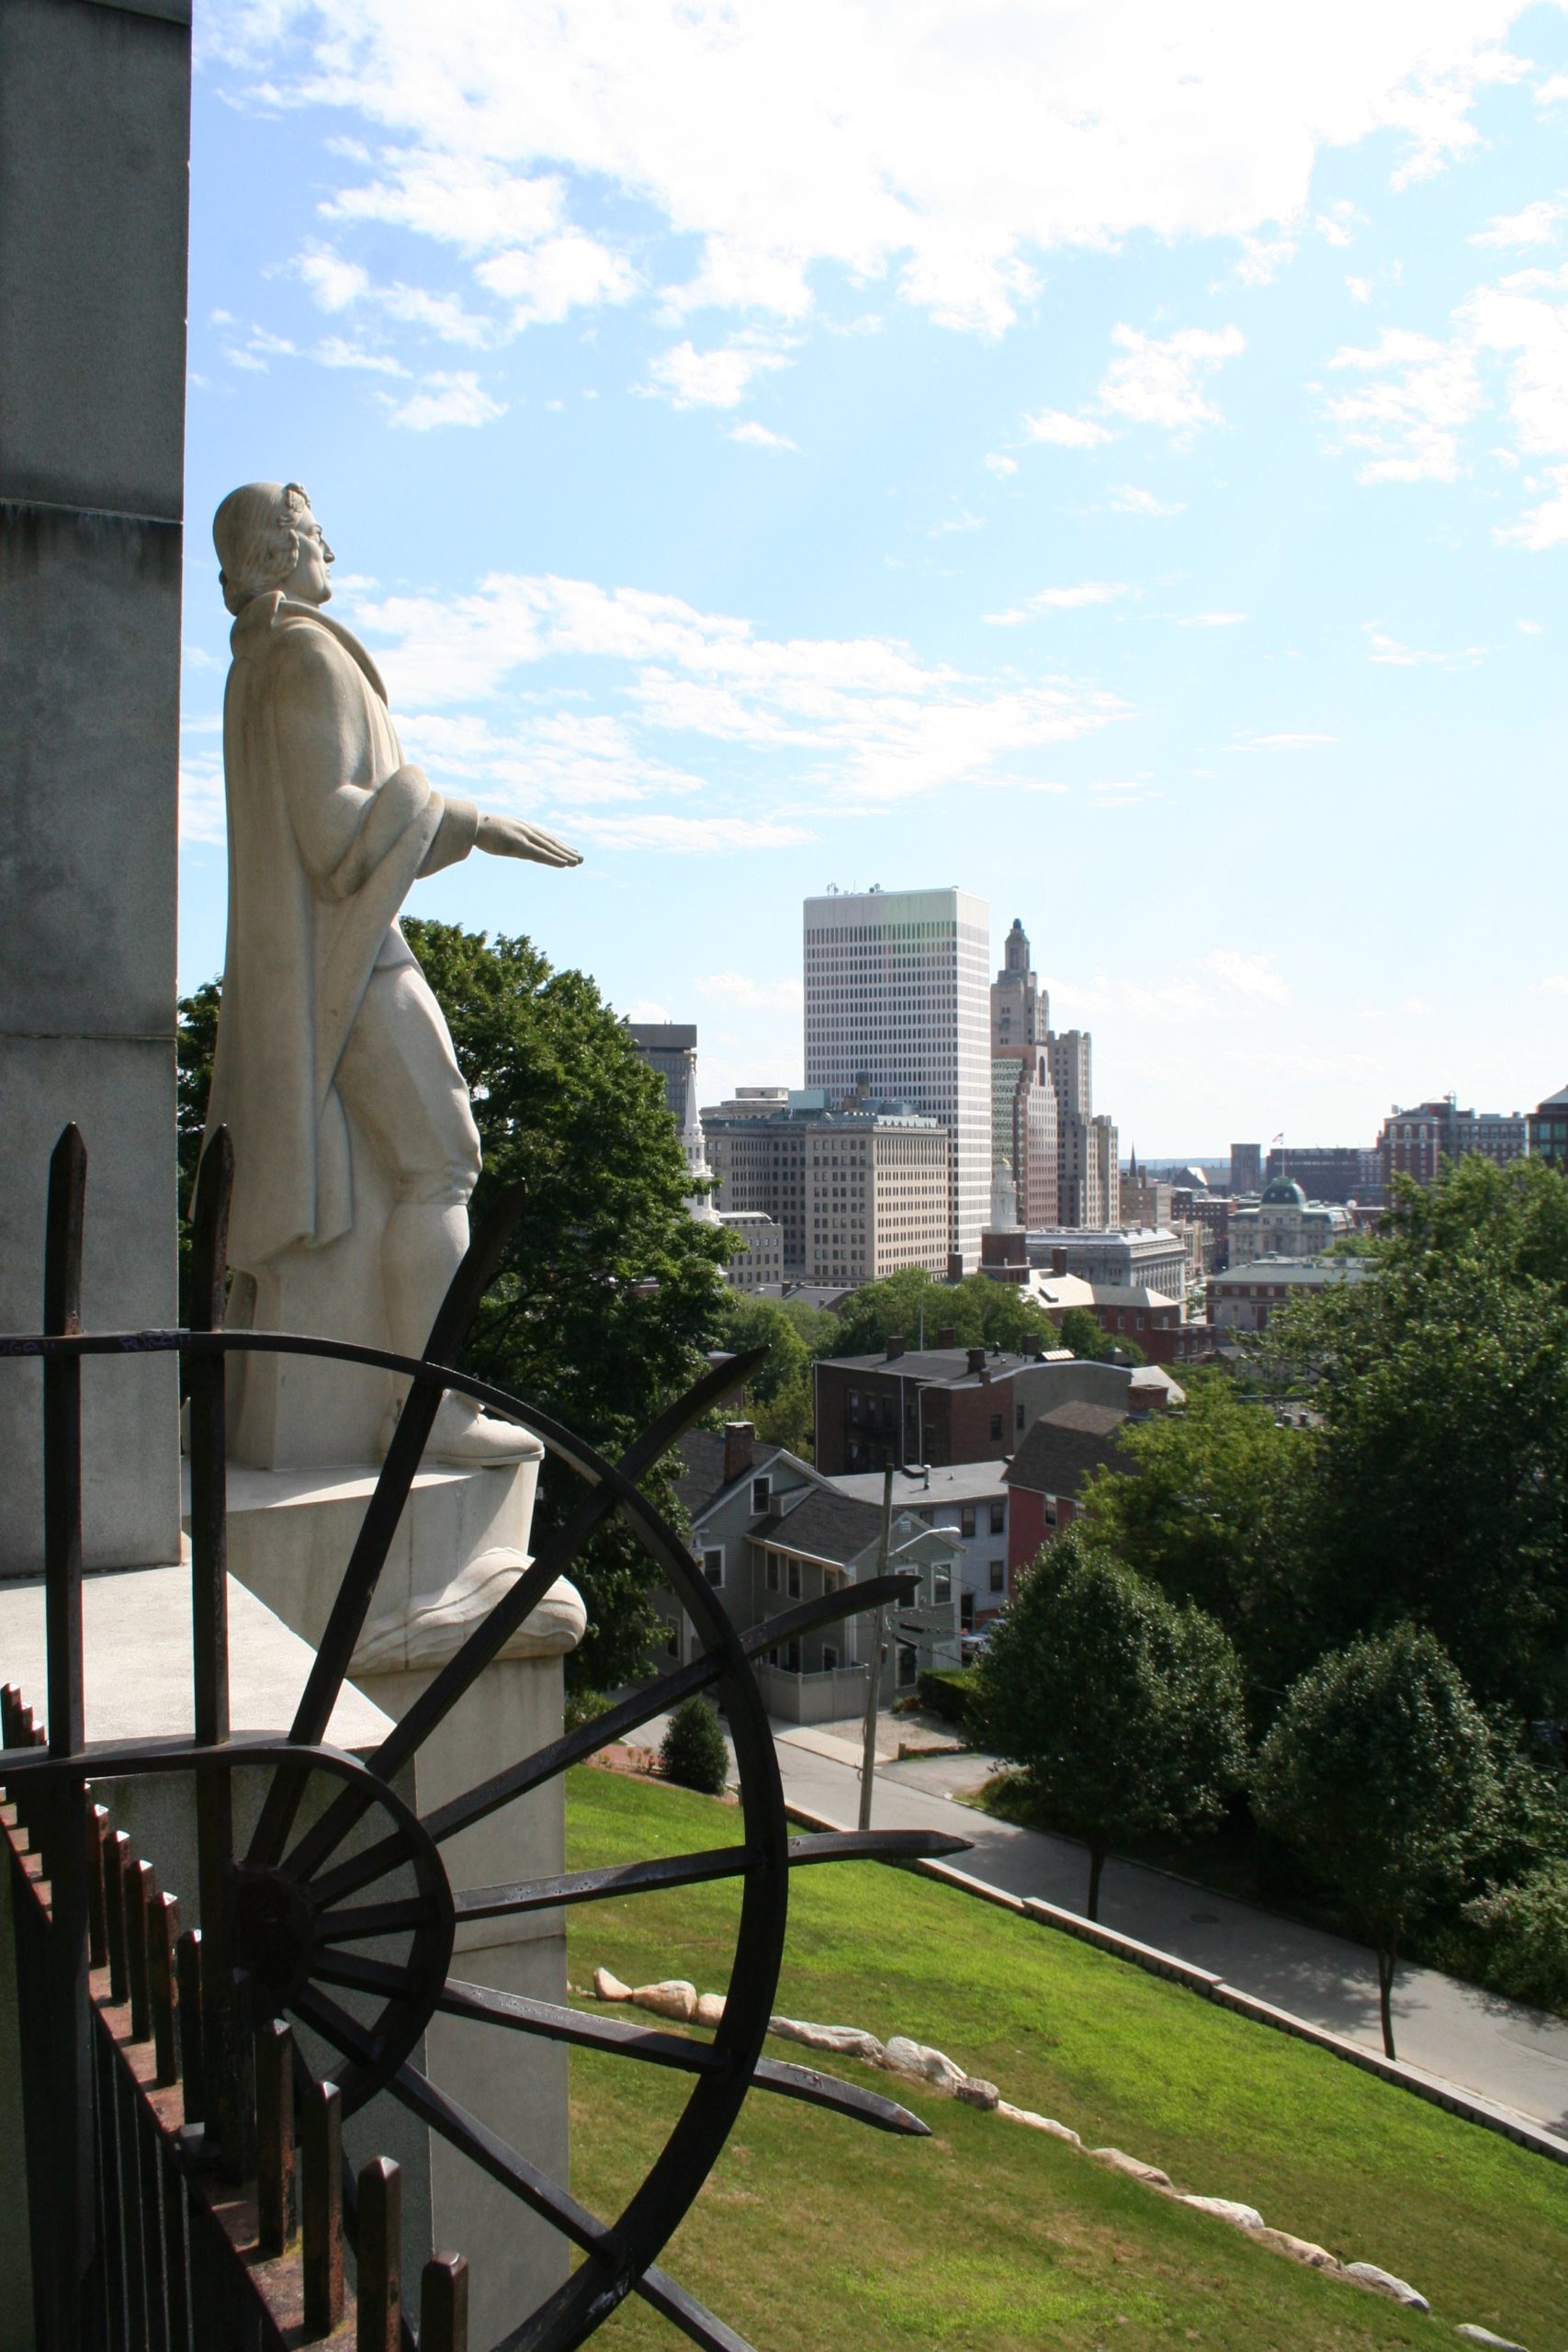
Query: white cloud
[1087, 592]
[1280, 742]
[459, 399]
[1067, 432]
[691, 836]
[1211, 620]
[585, 758]
[1155, 382]
[1126, 498]
[719, 378]
[332, 351]
[1381, 647]
[863, 715]
[1262, 259]
[741, 989]
[1249, 976]
[758, 436]
[203, 816]
[1535, 225]
[1419, 395]
[645, 1009]
[1360, 289]
[1545, 526]
[1556, 983]
[334, 284]
[1530, 628]
[546, 281]
[1339, 222]
[1553, 91]
[959, 523]
[998, 465]
[947, 151]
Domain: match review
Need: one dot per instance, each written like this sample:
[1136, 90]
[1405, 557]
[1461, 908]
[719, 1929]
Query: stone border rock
[676, 1997]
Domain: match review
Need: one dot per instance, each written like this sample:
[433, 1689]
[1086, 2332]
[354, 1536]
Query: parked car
[973, 1646]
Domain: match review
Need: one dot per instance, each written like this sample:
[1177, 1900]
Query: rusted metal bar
[116, 1860]
[193, 2069]
[320, 2207]
[380, 2250]
[276, 2196]
[142, 1894]
[162, 1931]
[444, 2304]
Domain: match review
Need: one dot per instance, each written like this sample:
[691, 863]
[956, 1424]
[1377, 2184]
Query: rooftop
[827, 1526]
[1062, 1447]
[948, 1367]
[964, 1482]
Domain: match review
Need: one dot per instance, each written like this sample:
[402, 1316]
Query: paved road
[1496, 2049]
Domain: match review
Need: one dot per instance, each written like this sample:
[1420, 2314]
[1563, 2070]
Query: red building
[1047, 1476]
[939, 1404]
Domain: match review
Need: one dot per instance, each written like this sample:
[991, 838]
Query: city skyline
[1170, 557]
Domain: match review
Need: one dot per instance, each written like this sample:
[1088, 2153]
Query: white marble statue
[334, 1068]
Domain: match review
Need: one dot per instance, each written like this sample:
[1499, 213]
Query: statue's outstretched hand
[511, 837]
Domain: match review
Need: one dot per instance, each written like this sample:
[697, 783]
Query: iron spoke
[605, 1885]
[874, 1845]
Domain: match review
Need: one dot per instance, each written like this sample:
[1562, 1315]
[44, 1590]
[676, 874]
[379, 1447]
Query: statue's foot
[463, 1433]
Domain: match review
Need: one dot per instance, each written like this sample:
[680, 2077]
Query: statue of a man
[330, 1041]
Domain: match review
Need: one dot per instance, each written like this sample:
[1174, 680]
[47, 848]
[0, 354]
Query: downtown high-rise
[898, 1009]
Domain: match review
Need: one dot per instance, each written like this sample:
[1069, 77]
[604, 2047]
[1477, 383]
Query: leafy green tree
[1524, 1925]
[194, 1040]
[744, 1322]
[1123, 1712]
[1079, 1332]
[1210, 1509]
[1379, 1770]
[608, 1290]
[692, 1751]
[1441, 1485]
[978, 1311]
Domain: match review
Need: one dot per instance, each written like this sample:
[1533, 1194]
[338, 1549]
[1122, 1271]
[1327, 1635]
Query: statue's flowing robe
[327, 828]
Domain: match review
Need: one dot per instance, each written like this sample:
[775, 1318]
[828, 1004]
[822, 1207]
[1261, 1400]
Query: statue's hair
[258, 545]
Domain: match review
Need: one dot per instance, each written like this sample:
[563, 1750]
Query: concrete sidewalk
[1515, 2057]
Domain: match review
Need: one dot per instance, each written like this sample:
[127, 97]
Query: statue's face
[308, 583]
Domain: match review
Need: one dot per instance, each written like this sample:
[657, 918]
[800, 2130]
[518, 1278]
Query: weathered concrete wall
[94, 104]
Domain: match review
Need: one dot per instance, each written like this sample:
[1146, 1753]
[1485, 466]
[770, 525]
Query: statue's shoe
[464, 1434]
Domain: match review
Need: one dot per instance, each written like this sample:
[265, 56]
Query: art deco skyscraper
[897, 1000]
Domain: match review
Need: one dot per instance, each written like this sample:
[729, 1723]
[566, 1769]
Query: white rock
[922, 2063]
[1383, 2282]
[1484, 2336]
[609, 1988]
[1316, 2257]
[709, 2010]
[975, 2091]
[671, 1997]
[1036, 2122]
[845, 2040]
[1225, 2209]
[1119, 2161]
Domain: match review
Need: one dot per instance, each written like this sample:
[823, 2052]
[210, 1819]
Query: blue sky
[1113, 457]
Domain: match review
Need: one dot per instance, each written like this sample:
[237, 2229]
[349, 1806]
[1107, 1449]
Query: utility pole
[874, 1676]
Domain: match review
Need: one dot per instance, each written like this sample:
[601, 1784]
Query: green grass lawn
[815, 2233]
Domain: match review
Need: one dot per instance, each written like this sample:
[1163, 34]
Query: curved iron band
[672, 2185]
[390, 2039]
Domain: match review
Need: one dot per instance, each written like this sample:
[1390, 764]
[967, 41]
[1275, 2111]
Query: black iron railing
[187, 2258]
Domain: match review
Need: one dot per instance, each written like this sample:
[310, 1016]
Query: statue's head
[267, 537]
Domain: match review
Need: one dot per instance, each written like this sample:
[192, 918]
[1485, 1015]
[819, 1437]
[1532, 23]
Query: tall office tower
[1082, 1187]
[670, 1049]
[1107, 1170]
[896, 1006]
[1021, 1009]
[1023, 1134]
[1246, 1170]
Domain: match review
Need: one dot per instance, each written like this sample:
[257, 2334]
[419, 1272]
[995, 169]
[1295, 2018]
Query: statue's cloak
[327, 828]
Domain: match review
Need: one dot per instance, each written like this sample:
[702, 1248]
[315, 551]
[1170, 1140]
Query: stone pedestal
[463, 1540]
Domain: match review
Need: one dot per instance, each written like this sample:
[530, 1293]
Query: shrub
[582, 1706]
[1526, 1926]
[693, 1752]
[946, 1691]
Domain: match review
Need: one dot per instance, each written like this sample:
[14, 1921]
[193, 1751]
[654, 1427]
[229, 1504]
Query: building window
[941, 1584]
[791, 1658]
[997, 1428]
[830, 1657]
[1050, 1510]
[999, 1573]
[999, 1517]
[794, 1568]
[671, 1637]
[966, 1520]
[760, 1490]
[772, 1572]
[1018, 1417]
[713, 1563]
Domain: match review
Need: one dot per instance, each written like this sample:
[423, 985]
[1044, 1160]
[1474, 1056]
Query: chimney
[977, 1360]
[1033, 1346]
[1058, 1262]
[895, 1345]
[739, 1440]
[946, 1337]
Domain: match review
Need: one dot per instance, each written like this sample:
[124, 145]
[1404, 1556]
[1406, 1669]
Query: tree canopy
[1123, 1712]
[978, 1310]
[1379, 1770]
[1441, 1486]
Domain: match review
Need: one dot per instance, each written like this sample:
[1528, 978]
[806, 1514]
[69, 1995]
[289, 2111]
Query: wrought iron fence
[187, 2256]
